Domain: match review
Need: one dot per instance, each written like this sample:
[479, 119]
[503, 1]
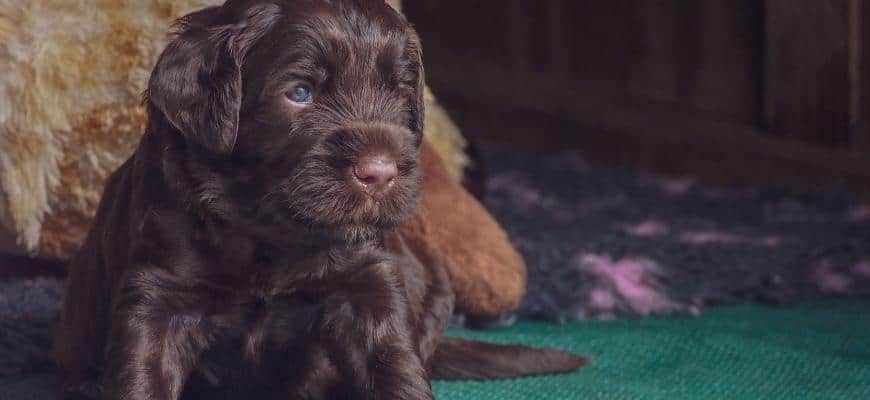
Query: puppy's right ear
[197, 82]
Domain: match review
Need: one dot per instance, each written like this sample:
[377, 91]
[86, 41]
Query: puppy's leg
[433, 299]
[156, 338]
[437, 308]
[365, 329]
[80, 334]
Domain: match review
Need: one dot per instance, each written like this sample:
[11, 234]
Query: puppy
[246, 249]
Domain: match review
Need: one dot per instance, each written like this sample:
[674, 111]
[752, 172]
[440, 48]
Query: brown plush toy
[70, 113]
[452, 229]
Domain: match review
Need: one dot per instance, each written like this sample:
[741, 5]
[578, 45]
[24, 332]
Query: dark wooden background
[734, 91]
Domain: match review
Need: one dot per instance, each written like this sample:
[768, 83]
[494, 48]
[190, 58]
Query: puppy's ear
[414, 53]
[197, 82]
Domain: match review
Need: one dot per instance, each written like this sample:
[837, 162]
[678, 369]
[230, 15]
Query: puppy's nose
[376, 173]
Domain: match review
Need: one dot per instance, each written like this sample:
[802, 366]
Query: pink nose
[376, 173]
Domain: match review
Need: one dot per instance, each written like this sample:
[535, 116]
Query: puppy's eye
[300, 94]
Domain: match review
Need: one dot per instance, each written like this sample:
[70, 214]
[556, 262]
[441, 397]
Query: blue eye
[300, 94]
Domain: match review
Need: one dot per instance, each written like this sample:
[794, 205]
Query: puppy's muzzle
[374, 156]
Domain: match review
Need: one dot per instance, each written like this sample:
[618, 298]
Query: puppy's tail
[459, 359]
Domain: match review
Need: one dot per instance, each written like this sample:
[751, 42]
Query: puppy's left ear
[197, 82]
[414, 53]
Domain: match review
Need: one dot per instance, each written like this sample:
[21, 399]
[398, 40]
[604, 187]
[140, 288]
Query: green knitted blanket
[817, 350]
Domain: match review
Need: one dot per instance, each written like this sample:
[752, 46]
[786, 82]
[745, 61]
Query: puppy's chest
[260, 325]
[269, 311]
[270, 314]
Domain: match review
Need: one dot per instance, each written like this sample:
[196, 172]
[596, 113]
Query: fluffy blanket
[602, 243]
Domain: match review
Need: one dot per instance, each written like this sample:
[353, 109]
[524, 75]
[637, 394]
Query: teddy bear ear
[197, 82]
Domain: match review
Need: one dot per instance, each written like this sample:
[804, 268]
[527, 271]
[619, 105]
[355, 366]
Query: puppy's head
[306, 111]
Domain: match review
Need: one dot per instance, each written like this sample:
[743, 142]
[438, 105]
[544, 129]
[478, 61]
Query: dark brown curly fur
[237, 254]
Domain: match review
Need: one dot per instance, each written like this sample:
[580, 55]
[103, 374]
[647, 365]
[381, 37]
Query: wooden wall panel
[775, 90]
[859, 39]
[807, 84]
[699, 56]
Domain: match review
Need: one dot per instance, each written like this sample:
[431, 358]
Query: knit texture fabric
[817, 350]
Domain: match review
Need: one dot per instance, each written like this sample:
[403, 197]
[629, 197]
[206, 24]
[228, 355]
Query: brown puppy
[246, 249]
